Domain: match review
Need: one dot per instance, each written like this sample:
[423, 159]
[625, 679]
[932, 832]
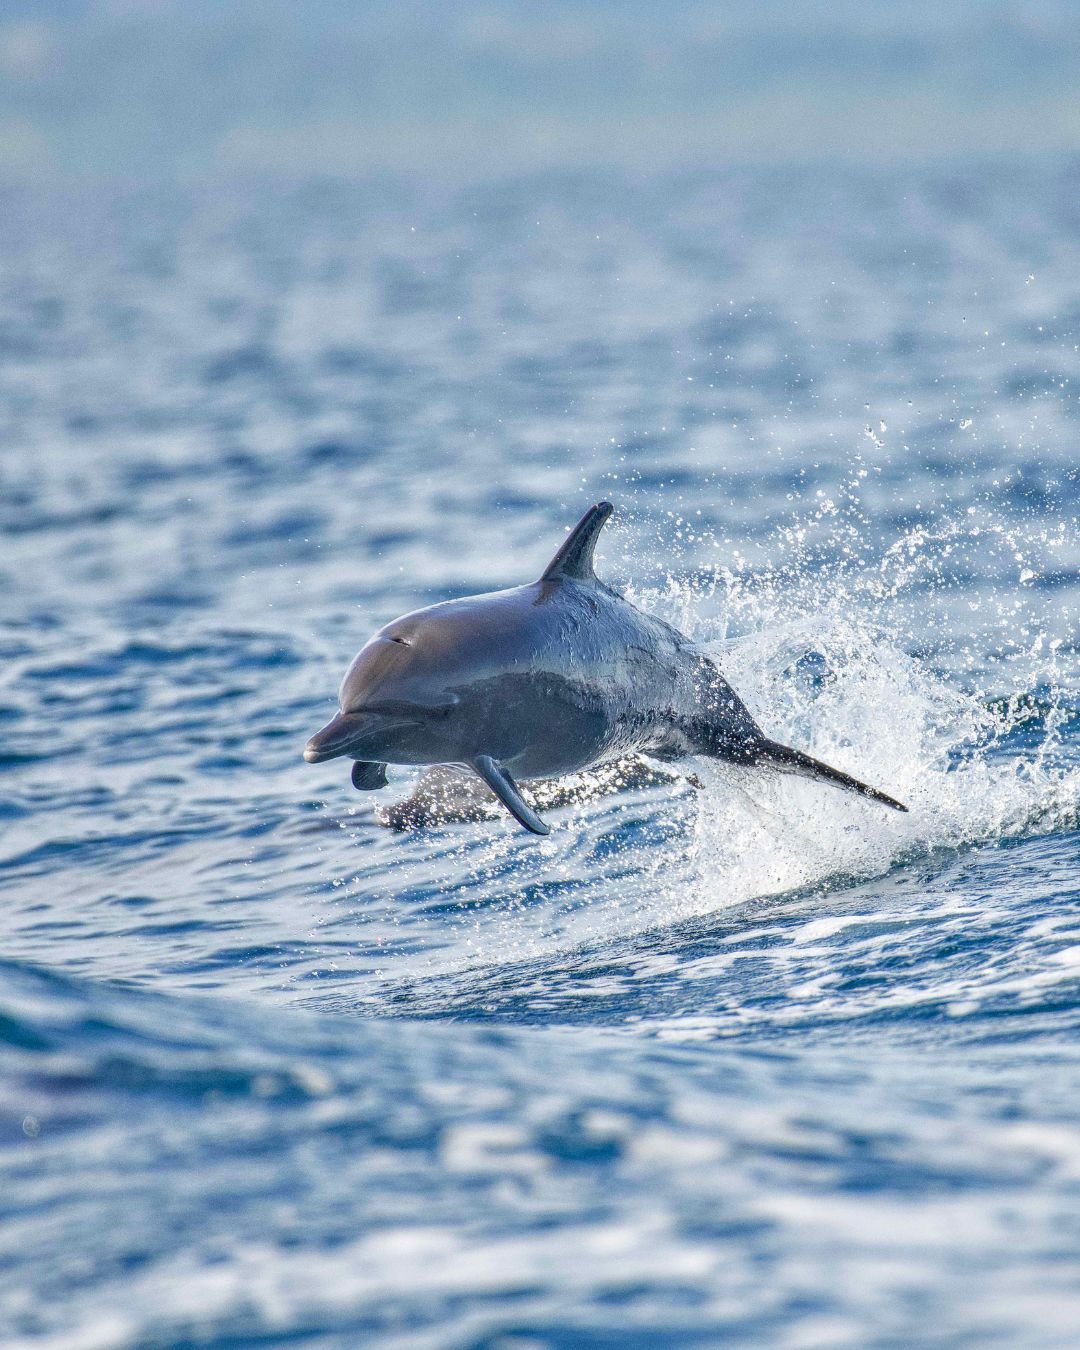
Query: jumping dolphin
[544, 680]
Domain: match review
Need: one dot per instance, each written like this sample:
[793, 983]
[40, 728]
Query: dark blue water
[756, 1063]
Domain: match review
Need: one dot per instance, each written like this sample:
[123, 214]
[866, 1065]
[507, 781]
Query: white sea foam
[826, 656]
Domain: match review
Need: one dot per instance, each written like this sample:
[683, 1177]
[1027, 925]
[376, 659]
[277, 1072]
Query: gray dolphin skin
[544, 680]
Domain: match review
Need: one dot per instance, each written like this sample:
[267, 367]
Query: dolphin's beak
[332, 740]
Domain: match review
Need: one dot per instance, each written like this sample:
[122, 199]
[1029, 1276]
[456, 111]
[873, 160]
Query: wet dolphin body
[544, 680]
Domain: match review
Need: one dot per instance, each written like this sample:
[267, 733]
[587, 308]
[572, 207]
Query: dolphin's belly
[572, 747]
[536, 723]
[544, 724]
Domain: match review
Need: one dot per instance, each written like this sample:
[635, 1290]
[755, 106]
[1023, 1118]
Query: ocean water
[747, 1063]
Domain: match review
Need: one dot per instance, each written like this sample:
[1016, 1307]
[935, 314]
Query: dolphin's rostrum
[544, 680]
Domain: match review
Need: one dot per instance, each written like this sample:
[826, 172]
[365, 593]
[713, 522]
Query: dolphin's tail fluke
[787, 760]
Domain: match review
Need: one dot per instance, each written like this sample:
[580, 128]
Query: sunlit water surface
[755, 1062]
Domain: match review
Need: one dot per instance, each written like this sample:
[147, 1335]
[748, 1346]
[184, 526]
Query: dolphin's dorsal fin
[574, 559]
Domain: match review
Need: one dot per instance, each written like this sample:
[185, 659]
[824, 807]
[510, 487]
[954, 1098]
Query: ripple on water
[756, 1062]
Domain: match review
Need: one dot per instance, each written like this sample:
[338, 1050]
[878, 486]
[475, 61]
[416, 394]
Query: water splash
[829, 650]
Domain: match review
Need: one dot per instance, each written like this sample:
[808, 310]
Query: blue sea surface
[750, 1063]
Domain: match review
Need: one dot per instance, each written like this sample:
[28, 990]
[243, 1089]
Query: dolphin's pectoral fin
[574, 559]
[504, 787]
[367, 776]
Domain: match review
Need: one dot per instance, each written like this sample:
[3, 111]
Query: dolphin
[544, 680]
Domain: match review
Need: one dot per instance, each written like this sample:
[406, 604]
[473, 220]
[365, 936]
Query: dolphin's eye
[401, 641]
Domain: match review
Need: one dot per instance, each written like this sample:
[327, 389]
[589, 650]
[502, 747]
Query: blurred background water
[310, 315]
